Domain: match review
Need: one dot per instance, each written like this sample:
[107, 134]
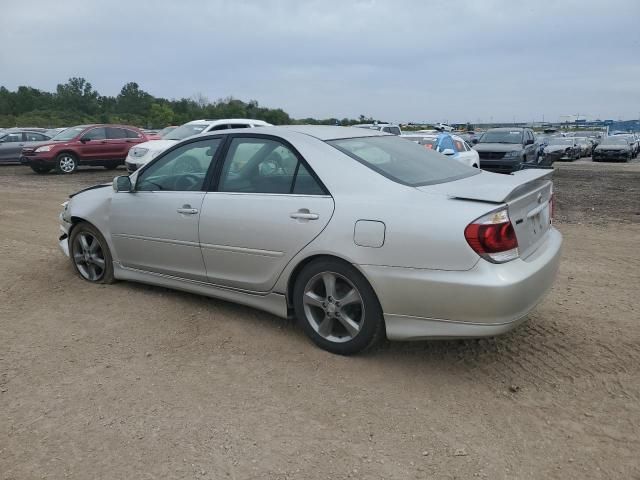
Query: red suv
[104, 145]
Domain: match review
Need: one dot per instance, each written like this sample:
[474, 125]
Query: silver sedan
[356, 233]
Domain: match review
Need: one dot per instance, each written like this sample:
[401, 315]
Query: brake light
[493, 237]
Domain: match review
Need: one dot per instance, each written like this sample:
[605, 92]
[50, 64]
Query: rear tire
[90, 254]
[337, 308]
[66, 163]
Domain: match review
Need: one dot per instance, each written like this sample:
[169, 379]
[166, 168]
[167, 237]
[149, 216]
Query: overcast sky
[398, 60]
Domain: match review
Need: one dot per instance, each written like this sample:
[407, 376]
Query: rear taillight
[493, 237]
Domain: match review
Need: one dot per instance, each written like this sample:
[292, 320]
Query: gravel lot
[129, 381]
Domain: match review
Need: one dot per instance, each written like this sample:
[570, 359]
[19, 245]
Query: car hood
[490, 187]
[35, 145]
[93, 187]
[497, 147]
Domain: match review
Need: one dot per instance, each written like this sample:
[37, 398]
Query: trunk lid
[527, 194]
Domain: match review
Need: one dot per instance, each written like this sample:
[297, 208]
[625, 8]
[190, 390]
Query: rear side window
[132, 133]
[403, 162]
[116, 133]
[260, 165]
[13, 137]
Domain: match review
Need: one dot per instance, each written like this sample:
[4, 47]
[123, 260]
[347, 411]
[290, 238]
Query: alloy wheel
[67, 163]
[333, 307]
[89, 257]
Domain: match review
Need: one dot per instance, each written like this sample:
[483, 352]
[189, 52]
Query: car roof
[506, 129]
[228, 120]
[321, 132]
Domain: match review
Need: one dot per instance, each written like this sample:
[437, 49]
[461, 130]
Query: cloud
[401, 61]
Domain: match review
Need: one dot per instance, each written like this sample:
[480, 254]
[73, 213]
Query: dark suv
[105, 145]
[505, 150]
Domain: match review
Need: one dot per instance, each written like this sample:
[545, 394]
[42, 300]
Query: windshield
[404, 162]
[560, 141]
[166, 131]
[186, 130]
[68, 134]
[502, 136]
[615, 141]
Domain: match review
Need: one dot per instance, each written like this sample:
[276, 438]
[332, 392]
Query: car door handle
[187, 210]
[304, 214]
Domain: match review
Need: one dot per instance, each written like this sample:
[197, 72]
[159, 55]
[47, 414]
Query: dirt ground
[135, 382]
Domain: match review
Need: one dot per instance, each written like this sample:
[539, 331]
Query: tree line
[77, 102]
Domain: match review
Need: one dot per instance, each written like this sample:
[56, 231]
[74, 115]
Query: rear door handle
[187, 210]
[304, 214]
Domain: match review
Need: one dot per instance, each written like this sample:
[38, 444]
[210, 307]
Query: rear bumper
[487, 300]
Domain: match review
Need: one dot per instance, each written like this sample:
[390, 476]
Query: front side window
[181, 170]
[97, 133]
[394, 130]
[403, 162]
[260, 165]
[459, 145]
[35, 137]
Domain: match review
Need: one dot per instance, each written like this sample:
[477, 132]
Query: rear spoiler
[493, 187]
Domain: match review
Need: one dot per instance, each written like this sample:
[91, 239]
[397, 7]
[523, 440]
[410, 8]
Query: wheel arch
[293, 276]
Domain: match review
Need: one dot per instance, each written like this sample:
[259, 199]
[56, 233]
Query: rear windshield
[404, 162]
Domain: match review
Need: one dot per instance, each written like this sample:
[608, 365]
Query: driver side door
[155, 227]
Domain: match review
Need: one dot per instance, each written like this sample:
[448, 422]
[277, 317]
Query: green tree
[159, 115]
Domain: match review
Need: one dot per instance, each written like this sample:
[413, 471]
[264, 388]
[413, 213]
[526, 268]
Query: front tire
[66, 163]
[90, 254]
[41, 169]
[337, 308]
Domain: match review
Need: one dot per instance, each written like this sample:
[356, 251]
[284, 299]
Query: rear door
[117, 141]
[267, 206]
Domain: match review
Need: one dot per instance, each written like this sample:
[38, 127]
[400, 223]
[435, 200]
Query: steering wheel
[187, 181]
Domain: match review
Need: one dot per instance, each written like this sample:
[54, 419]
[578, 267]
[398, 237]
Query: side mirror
[85, 139]
[448, 151]
[474, 141]
[529, 142]
[122, 184]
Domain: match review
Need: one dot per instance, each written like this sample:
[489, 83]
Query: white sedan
[143, 153]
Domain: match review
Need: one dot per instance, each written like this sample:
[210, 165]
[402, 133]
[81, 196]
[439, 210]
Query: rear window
[404, 162]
